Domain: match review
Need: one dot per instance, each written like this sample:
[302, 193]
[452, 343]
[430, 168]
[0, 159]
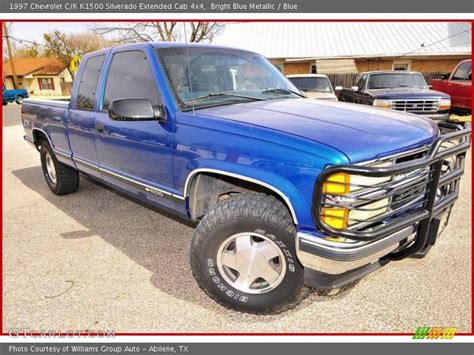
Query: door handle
[99, 127]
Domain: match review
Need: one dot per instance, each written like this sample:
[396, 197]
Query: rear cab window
[88, 83]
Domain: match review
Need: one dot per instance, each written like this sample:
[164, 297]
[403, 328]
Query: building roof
[298, 40]
[34, 66]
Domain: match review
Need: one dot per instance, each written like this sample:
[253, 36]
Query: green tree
[65, 47]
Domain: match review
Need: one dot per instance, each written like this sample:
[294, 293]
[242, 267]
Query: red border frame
[239, 334]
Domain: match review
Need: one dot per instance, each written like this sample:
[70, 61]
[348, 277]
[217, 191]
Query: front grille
[376, 200]
[416, 106]
[388, 195]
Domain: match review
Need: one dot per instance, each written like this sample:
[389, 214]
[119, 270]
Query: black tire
[67, 179]
[5, 103]
[247, 213]
[19, 99]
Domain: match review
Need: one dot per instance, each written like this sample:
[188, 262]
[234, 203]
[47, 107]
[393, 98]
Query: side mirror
[444, 76]
[135, 110]
[338, 88]
[354, 88]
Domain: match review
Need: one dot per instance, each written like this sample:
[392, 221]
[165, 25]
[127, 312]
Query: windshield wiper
[224, 94]
[282, 91]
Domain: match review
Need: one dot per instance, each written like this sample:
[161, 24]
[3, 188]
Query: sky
[33, 31]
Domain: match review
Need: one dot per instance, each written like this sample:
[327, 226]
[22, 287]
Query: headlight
[341, 186]
[382, 104]
[444, 104]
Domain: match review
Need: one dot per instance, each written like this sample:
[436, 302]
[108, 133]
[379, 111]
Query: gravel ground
[97, 260]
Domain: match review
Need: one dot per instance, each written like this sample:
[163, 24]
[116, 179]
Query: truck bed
[48, 117]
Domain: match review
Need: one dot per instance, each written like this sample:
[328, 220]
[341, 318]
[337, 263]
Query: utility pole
[9, 48]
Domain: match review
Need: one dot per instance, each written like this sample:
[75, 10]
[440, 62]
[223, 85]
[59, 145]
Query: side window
[462, 71]
[88, 85]
[130, 77]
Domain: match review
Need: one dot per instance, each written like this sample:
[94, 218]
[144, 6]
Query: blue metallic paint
[284, 143]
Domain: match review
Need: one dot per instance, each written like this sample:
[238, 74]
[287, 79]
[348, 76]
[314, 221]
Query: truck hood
[407, 93]
[360, 132]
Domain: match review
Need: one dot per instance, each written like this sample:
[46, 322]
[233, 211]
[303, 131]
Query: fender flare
[197, 171]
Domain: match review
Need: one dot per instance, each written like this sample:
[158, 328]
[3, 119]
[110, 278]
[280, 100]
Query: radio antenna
[189, 66]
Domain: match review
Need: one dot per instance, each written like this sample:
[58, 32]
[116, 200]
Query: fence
[349, 79]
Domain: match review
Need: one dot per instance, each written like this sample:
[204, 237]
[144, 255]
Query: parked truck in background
[315, 86]
[284, 190]
[458, 85]
[400, 91]
[14, 95]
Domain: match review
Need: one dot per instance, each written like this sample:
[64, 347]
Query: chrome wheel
[251, 263]
[50, 168]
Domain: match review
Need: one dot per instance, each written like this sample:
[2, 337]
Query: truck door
[82, 114]
[134, 154]
[460, 86]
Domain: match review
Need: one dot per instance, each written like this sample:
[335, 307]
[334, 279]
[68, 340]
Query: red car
[458, 85]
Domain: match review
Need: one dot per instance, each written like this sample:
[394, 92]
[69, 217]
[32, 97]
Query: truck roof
[390, 72]
[306, 76]
[165, 45]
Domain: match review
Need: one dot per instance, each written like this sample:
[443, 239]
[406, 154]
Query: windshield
[392, 81]
[220, 76]
[312, 84]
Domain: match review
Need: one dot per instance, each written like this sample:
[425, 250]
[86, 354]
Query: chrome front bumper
[336, 258]
[437, 116]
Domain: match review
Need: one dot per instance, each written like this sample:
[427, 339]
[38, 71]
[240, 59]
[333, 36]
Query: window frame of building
[406, 62]
[280, 67]
[311, 67]
[49, 85]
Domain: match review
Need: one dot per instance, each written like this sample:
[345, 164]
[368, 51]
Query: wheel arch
[38, 135]
[191, 193]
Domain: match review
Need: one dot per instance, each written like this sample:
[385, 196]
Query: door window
[130, 77]
[361, 83]
[88, 84]
[462, 72]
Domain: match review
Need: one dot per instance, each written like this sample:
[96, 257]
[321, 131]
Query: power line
[435, 43]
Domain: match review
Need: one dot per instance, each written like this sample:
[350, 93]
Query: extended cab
[284, 190]
[458, 85]
[14, 95]
[401, 91]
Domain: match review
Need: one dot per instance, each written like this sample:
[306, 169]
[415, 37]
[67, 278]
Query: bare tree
[30, 50]
[161, 31]
[66, 47]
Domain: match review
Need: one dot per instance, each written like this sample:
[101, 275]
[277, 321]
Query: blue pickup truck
[13, 95]
[284, 190]
[405, 91]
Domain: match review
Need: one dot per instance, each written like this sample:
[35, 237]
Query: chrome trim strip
[80, 161]
[238, 176]
[146, 187]
[59, 152]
